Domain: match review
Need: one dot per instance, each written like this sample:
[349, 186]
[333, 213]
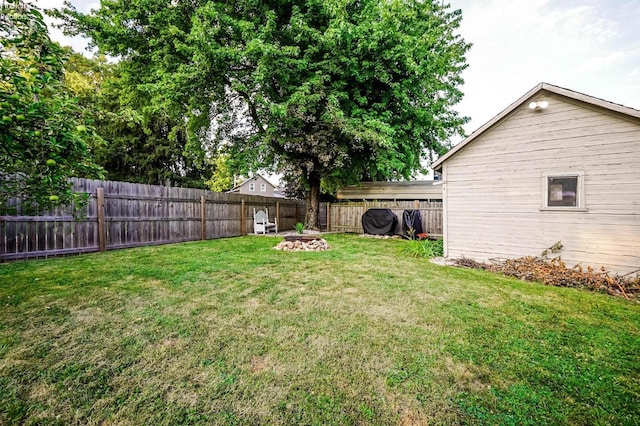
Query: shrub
[424, 248]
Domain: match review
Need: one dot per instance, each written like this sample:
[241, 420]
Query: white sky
[590, 46]
[78, 43]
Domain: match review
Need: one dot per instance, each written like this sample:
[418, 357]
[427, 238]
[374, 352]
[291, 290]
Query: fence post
[297, 220]
[203, 218]
[102, 232]
[242, 224]
[328, 217]
[277, 213]
[416, 204]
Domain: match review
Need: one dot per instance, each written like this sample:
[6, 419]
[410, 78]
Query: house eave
[621, 109]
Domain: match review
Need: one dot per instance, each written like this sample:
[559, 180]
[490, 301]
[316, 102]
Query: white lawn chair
[261, 224]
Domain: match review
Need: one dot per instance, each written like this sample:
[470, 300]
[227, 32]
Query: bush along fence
[120, 215]
[347, 217]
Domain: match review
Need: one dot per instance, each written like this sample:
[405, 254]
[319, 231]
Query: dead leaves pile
[555, 272]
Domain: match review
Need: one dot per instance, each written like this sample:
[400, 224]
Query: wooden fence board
[347, 217]
[134, 215]
[137, 215]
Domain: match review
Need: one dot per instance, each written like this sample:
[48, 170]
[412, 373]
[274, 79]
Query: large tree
[330, 91]
[43, 136]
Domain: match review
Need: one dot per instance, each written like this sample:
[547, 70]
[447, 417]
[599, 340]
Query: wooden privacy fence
[121, 214]
[347, 217]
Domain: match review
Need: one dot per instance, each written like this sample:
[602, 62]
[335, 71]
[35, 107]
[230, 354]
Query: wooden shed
[412, 190]
[556, 165]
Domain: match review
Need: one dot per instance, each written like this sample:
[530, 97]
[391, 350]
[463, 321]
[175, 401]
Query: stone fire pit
[303, 243]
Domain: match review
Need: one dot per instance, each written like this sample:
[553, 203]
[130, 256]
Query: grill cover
[379, 222]
[413, 219]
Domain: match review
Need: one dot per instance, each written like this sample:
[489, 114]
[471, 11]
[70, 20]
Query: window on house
[263, 187]
[564, 191]
[252, 186]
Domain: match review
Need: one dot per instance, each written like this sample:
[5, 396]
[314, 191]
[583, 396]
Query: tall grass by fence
[121, 214]
[347, 217]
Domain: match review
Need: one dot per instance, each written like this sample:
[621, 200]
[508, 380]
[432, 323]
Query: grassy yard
[233, 332]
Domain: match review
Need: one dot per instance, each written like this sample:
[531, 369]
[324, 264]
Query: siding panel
[494, 187]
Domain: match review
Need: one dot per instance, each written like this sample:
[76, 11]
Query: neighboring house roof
[525, 98]
[411, 190]
[254, 178]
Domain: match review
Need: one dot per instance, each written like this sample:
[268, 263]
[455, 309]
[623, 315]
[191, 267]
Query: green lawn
[232, 332]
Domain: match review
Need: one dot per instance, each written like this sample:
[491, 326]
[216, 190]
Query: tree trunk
[313, 202]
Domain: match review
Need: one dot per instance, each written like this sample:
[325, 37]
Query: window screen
[562, 191]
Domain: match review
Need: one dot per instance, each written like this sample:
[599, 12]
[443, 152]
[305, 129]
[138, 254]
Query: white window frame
[580, 192]
[252, 187]
[263, 187]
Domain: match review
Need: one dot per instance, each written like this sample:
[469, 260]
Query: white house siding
[494, 187]
[257, 181]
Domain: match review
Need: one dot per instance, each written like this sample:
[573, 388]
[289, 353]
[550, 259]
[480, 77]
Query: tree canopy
[222, 179]
[324, 91]
[43, 136]
[143, 145]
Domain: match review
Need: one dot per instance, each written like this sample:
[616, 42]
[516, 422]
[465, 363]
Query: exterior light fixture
[538, 105]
